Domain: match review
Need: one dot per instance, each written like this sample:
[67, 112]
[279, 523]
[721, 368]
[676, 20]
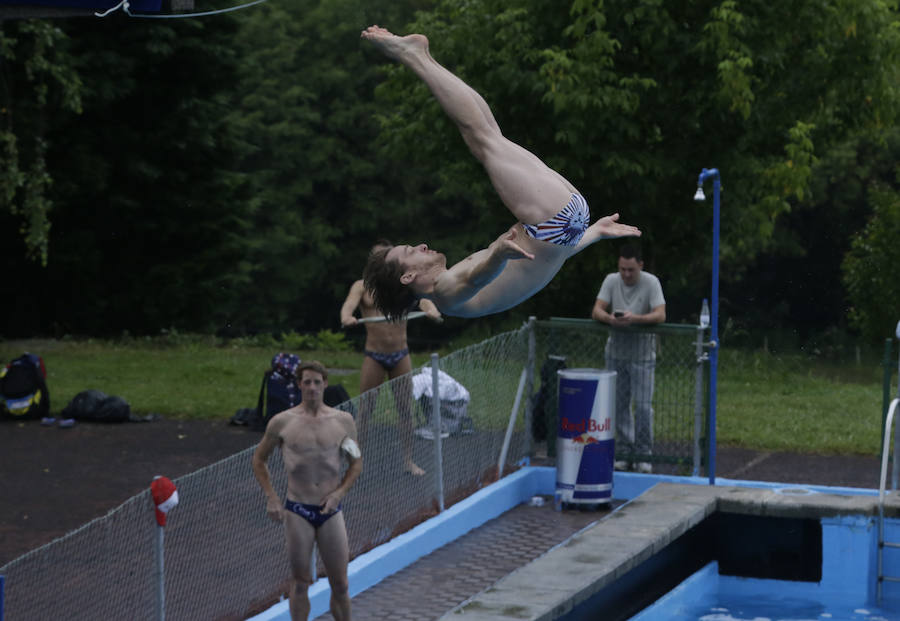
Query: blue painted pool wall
[849, 569]
[891, 561]
[702, 585]
[848, 557]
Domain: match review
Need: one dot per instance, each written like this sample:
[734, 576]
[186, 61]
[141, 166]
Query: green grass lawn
[766, 402]
[198, 379]
[795, 403]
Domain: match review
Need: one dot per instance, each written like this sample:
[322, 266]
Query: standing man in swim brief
[386, 353]
[553, 218]
[314, 439]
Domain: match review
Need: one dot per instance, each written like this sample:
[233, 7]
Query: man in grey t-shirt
[632, 297]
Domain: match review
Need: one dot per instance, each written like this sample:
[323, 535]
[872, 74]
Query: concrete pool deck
[569, 574]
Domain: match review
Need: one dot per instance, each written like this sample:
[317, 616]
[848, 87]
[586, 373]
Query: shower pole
[712, 173]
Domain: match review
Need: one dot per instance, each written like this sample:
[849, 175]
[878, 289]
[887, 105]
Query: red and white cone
[165, 496]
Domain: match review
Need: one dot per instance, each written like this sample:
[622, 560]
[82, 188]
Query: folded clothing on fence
[448, 388]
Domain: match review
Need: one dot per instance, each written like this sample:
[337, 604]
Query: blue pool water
[707, 596]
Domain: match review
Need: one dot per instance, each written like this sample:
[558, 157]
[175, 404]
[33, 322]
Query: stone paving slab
[462, 569]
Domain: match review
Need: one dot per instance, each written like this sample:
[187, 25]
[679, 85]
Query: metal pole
[529, 386]
[896, 469]
[714, 334]
[160, 575]
[887, 366]
[714, 318]
[700, 358]
[436, 426]
[512, 422]
[551, 402]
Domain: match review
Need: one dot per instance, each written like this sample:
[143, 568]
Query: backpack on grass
[279, 391]
[98, 407]
[23, 389]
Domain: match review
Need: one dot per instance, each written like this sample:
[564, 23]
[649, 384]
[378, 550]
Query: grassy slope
[765, 402]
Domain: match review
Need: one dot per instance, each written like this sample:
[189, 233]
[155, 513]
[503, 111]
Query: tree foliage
[630, 100]
[147, 231]
[231, 173]
[37, 81]
[869, 268]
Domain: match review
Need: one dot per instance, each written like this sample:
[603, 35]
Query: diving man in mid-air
[553, 218]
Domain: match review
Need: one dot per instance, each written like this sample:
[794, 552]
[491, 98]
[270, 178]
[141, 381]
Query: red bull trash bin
[585, 440]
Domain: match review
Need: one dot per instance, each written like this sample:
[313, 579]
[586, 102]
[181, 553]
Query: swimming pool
[709, 596]
[815, 546]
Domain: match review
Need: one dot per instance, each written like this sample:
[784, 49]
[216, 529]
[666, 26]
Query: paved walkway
[450, 575]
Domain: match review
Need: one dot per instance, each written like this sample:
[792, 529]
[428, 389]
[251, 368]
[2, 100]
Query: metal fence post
[160, 575]
[436, 426]
[700, 358]
[529, 385]
[512, 423]
[551, 404]
[895, 473]
[887, 364]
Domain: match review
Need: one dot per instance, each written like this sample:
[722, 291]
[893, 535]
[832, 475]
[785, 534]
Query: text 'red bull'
[585, 425]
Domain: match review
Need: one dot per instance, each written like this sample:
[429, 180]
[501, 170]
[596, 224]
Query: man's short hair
[311, 365]
[631, 251]
[382, 279]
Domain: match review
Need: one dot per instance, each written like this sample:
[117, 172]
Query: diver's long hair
[382, 280]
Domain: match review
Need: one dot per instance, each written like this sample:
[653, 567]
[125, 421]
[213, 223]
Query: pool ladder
[882, 544]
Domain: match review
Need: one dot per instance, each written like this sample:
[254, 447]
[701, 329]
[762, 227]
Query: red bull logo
[585, 438]
[585, 426]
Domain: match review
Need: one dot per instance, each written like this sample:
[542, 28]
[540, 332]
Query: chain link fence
[661, 388]
[225, 560]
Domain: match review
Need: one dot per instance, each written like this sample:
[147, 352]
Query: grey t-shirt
[642, 297]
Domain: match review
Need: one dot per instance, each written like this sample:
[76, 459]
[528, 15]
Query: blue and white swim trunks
[566, 227]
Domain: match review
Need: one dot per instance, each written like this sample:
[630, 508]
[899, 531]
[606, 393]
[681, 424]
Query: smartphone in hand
[618, 314]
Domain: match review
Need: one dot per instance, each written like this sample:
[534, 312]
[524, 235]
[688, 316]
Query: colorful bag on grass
[23, 389]
[279, 391]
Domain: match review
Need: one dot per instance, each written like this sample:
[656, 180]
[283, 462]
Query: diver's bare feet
[411, 467]
[393, 46]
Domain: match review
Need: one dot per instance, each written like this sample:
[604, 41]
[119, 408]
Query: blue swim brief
[311, 513]
[388, 361]
[566, 227]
